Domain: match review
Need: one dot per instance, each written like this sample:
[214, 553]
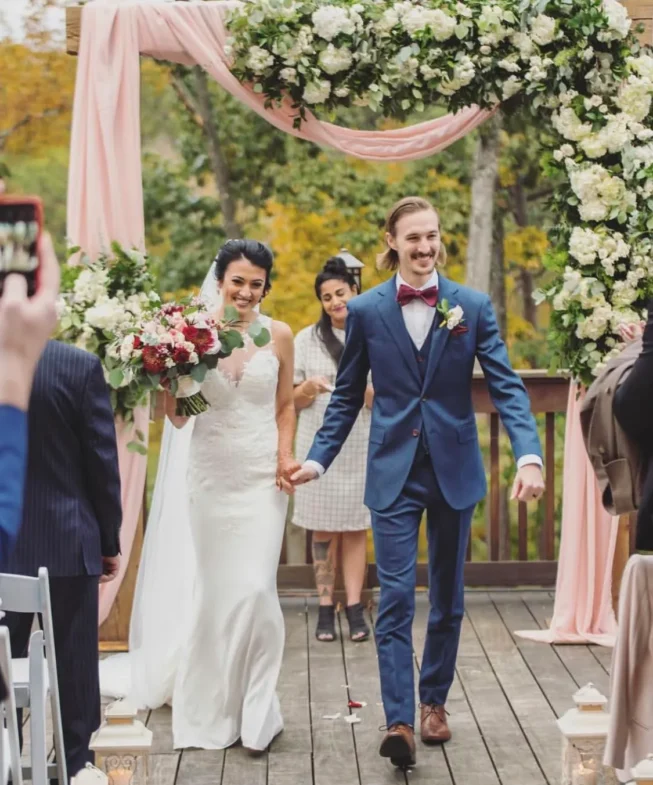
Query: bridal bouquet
[175, 348]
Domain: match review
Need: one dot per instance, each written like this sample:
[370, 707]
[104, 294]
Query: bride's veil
[166, 574]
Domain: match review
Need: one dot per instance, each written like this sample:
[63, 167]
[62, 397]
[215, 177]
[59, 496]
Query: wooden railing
[505, 540]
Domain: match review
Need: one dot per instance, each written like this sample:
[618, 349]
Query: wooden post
[73, 28]
[641, 12]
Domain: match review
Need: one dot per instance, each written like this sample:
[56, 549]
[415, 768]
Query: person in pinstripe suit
[71, 525]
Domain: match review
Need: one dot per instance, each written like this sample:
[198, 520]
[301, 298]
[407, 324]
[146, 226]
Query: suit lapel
[390, 312]
[446, 291]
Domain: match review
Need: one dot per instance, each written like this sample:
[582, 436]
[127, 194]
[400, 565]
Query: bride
[207, 630]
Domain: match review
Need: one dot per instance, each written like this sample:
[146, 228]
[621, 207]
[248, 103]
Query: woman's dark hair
[334, 270]
[256, 253]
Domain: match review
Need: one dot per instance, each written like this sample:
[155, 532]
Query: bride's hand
[629, 332]
[286, 467]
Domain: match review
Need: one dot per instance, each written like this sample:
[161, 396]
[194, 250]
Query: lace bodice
[238, 434]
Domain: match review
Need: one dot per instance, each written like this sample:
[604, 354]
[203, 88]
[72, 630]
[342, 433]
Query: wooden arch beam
[641, 12]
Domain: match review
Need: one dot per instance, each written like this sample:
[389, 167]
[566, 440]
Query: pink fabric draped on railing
[105, 194]
[582, 611]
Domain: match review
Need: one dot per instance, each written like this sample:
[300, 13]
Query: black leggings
[633, 402]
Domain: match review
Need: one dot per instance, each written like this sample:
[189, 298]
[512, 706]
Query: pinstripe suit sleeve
[100, 454]
[13, 459]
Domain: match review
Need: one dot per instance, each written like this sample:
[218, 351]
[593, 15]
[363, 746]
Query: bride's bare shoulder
[281, 331]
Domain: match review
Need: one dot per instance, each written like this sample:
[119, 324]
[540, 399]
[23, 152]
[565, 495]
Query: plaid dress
[335, 501]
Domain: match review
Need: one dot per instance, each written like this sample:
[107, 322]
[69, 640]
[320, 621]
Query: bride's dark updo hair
[334, 269]
[256, 253]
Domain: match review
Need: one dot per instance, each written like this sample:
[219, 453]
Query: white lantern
[642, 774]
[585, 730]
[122, 745]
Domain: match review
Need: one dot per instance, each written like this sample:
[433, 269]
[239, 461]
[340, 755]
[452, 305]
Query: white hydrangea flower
[330, 21]
[388, 21]
[288, 75]
[623, 294]
[333, 60]
[106, 314]
[341, 92]
[259, 60]
[90, 285]
[565, 151]
[584, 245]
[463, 73]
[543, 29]
[317, 92]
[303, 46]
[510, 64]
[596, 324]
[511, 86]
[568, 124]
[524, 43]
[464, 10]
[598, 191]
[538, 68]
[642, 65]
[618, 18]
[634, 97]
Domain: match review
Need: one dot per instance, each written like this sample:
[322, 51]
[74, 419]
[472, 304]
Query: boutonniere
[452, 318]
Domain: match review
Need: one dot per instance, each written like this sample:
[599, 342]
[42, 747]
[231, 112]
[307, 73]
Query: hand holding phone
[21, 225]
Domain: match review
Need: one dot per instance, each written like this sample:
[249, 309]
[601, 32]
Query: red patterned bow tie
[407, 294]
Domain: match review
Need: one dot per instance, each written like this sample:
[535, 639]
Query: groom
[419, 333]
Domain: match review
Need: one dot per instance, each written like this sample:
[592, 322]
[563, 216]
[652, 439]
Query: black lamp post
[354, 265]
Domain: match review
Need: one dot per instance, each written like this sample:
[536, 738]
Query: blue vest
[422, 357]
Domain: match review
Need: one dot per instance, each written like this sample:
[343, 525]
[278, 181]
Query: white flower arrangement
[577, 65]
[101, 301]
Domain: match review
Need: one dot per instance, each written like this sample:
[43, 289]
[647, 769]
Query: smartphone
[21, 224]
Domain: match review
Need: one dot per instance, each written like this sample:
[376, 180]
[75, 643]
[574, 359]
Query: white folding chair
[34, 679]
[10, 740]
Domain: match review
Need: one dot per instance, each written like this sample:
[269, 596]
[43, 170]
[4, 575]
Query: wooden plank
[245, 767]
[550, 672]
[334, 754]
[163, 769]
[362, 671]
[73, 28]
[160, 723]
[465, 757]
[504, 737]
[288, 768]
[293, 685]
[531, 709]
[579, 660]
[201, 767]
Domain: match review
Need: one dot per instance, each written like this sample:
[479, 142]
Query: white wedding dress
[207, 630]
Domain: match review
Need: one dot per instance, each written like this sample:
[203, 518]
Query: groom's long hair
[389, 259]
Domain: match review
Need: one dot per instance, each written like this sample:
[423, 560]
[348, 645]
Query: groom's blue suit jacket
[437, 409]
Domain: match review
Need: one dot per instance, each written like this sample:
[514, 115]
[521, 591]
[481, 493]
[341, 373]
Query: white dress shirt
[418, 318]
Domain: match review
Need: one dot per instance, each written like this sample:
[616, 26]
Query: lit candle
[583, 776]
[124, 776]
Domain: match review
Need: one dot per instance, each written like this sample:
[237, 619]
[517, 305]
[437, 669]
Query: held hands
[110, 568]
[630, 332]
[303, 475]
[287, 467]
[529, 483]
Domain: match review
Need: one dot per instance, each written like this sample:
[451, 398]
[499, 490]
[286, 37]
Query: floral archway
[575, 63]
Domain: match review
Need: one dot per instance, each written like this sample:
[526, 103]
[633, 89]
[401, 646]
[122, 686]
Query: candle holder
[122, 745]
[584, 730]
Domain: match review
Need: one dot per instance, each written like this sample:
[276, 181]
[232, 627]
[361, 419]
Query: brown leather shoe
[434, 727]
[399, 745]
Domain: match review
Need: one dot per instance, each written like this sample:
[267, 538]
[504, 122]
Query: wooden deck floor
[503, 704]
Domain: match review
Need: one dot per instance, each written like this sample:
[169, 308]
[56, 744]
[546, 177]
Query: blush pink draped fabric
[105, 200]
[133, 471]
[105, 196]
[582, 612]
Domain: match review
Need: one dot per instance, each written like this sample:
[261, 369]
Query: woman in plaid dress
[333, 507]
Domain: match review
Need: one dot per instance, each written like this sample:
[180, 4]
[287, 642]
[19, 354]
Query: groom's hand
[304, 475]
[529, 483]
